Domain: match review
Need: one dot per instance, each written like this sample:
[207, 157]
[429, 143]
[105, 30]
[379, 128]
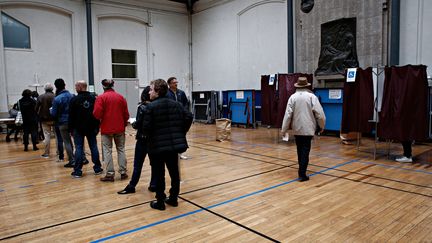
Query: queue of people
[75, 118]
[162, 121]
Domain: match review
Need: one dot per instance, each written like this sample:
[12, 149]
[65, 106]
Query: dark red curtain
[268, 93]
[358, 103]
[403, 115]
[285, 90]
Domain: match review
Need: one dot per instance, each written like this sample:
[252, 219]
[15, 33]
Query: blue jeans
[79, 151]
[139, 157]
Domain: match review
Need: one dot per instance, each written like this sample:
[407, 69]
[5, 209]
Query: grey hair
[48, 87]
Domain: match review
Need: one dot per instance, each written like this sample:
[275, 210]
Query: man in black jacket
[165, 124]
[83, 124]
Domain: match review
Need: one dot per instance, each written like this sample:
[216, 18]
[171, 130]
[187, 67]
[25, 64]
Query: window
[15, 33]
[123, 64]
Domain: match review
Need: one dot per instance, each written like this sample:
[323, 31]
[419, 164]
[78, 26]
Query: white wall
[169, 38]
[415, 34]
[234, 43]
[55, 36]
[59, 43]
[159, 37]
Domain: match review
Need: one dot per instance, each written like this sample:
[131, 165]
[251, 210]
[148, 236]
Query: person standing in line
[27, 106]
[165, 124]
[111, 110]
[303, 114]
[178, 95]
[84, 124]
[407, 152]
[44, 103]
[140, 147]
[60, 112]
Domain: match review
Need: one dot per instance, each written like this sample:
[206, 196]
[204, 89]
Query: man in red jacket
[111, 109]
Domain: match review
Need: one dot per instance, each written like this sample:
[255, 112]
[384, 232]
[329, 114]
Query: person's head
[302, 82]
[26, 93]
[80, 86]
[107, 84]
[172, 83]
[59, 84]
[48, 87]
[145, 96]
[158, 88]
[35, 94]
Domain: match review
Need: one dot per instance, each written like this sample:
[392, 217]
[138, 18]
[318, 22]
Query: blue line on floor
[396, 167]
[216, 205]
[26, 186]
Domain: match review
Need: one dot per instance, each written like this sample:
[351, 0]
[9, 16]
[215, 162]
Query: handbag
[19, 118]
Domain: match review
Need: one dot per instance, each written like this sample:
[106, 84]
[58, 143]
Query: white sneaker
[404, 159]
[183, 157]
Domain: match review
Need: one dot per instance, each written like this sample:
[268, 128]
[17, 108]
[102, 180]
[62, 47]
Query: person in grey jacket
[304, 114]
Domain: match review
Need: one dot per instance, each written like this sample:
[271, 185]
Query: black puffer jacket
[27, 107]
[81, 116]
[165, 125]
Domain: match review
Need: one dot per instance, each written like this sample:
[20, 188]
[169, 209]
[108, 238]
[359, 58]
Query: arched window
[15, 33]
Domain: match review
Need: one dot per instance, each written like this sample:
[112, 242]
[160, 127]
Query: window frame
[124, 64]
[21, 22]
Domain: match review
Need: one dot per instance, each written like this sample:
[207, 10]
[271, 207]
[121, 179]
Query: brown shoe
[123, 176]
[109, 178]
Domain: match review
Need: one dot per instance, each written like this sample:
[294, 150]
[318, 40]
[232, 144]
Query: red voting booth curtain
[274, 101]
[403, 115]
[358, 103]
[268, 93]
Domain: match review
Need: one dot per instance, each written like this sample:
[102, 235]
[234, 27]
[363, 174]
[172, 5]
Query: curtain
[268, 93]
[404, 112]
[358, 103]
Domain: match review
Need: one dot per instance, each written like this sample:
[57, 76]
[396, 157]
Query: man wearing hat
[111, 109]
[303, 115]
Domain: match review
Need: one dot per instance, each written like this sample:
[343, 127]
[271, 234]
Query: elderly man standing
[304, 114]
[44, 103]
[165, 125]
[111, 109]
[84, 124]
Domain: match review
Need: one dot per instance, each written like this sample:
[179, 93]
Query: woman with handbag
[27, 106]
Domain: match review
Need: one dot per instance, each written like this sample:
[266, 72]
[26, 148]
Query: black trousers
[33, 132]
[158, 161]
[139, 157]
[407, 148]
[303, 148]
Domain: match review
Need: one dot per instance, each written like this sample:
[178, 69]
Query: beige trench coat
[303, 113]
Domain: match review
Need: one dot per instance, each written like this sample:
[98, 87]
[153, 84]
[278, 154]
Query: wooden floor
[243, 190]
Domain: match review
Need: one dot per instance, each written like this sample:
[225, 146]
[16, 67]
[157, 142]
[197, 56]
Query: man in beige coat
[304, 115]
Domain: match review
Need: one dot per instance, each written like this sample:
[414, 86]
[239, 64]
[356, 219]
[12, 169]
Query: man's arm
[147, 121]
[98, 109]
[288, 116]
[54, 108]
[188, 118]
